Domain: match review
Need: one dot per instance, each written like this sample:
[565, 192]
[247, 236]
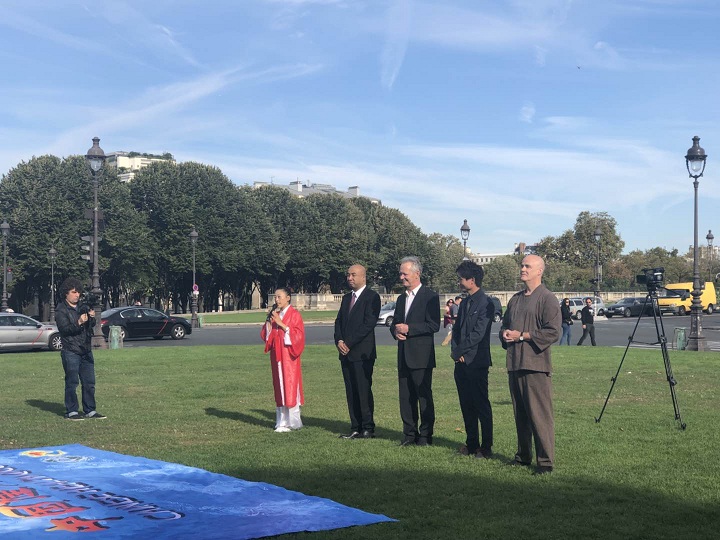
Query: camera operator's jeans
[79, 368]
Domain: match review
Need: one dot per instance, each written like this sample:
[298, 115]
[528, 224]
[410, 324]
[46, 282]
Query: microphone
[273, 308]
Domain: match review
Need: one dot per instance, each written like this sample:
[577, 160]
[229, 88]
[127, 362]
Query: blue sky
[515, 115]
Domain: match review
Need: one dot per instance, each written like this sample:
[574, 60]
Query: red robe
[285, 360]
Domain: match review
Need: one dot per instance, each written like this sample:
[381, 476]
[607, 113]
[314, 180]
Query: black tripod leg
[666, 359]
[614, 379]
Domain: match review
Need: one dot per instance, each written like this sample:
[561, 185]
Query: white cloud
[527, 113]
[399, 20]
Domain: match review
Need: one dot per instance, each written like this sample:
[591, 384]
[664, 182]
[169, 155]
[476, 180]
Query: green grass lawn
[633, 475]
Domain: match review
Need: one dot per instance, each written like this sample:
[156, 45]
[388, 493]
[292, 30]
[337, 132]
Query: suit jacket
[356, 327]
[471, 332]
[423, 320]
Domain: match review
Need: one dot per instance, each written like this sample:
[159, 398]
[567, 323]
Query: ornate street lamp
[53, 254]
[709, 237]
[195, 292]
[5, 227]
[95, 158]
[465, 234]
[598, 269]
[695, 162]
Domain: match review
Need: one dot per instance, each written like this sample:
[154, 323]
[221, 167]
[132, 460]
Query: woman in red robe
[284, 336]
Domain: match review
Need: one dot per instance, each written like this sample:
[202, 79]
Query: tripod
[662, 340]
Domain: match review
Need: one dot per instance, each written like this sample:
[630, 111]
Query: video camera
[652, 278]
[88, 302]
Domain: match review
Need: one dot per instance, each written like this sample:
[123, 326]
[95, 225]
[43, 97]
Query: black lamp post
[709, 237]
[5, 227]
[95, 158]
[695, 162]
[465, 234]
[195, 292]
[53, 254]
[598, 269]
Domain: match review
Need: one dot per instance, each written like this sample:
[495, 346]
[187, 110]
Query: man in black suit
[471, 352]
[355, 341]
[416, 319]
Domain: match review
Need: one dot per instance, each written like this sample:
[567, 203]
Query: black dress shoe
[543, 469]
[353, 435]
[424, 441]
[483, 453]
[517, 463]
[408, 442]
[367, 434]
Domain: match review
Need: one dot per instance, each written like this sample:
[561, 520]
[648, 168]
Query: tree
[502, 273]
[446, 253]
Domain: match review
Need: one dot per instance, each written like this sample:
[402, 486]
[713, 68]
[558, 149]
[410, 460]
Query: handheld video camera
[88, 302]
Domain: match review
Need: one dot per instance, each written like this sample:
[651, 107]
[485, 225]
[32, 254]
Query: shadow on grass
[241, 417]
[335, 427]
[48, 406]
[511, 503]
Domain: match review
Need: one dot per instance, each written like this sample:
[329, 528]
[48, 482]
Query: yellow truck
[678, 300]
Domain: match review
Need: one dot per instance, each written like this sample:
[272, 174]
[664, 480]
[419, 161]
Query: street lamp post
[709, 237]
[53, 253]
[598, 269]
[465, 234]
[95, 158]
[195, 292]
[695, 163]
[5, 227]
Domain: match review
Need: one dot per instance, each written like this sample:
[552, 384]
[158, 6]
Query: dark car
[19, 332]
[629, 307]
[135, 322]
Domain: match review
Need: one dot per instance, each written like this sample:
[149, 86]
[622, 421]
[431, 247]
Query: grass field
[633, 475]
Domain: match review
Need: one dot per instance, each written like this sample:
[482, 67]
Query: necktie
[352, 301]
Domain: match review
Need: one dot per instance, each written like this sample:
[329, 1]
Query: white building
[299, 189]
[129, 163]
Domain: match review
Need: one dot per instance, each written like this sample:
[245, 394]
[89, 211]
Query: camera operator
[75, 322]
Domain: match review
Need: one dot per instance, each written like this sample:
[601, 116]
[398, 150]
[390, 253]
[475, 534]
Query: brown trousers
[531, 393]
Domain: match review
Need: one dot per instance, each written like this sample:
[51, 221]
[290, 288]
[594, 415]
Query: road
[610, 332]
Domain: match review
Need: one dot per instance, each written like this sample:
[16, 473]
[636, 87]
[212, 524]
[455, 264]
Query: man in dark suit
[416, 319]
[471, 352]
[355, 341]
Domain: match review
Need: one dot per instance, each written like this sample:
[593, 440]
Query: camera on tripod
[652, 278]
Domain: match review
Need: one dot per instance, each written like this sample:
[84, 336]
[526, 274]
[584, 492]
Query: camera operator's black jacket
[75, 338]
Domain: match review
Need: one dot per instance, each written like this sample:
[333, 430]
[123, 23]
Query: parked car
[629, 307]
[19, 332]
[577, 303]
[386, 314]
[135, 322]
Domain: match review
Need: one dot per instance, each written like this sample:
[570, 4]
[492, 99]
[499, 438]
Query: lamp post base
[98, 342]
[697, 343]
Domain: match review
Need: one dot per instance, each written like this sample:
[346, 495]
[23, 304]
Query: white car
[577, 303]
[386, 314]
[20, 332]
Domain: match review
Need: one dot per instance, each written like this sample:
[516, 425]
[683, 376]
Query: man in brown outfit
[531, 324]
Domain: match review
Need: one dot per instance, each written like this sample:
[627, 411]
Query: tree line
[257, 238]
[248, 238]
[571, 258]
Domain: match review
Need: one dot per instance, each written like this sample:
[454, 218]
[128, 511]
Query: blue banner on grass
[62, 490]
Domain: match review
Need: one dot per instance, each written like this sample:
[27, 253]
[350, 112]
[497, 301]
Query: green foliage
[633, 475]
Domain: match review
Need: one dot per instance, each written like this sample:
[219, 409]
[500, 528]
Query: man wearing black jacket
[76, 323]
[587, 317]
[471, 353]
[355, 341]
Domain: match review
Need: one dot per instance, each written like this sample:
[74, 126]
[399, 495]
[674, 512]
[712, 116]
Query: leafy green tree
[445, 254]
[502, 273]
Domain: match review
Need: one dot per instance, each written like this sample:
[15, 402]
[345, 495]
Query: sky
[516, 115]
